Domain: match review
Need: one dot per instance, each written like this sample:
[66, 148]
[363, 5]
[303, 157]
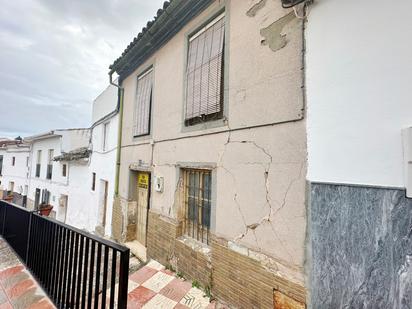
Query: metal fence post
[28, 239]
[123, 279]
[4, 221]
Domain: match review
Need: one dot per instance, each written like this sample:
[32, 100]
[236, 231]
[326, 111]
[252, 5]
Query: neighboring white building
[104, 132]
[89, 184]
[49, 179]
[14, 169]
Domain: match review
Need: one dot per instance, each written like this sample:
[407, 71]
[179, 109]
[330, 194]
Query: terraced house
[213, 148]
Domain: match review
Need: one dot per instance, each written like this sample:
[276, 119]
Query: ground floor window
[197, 193]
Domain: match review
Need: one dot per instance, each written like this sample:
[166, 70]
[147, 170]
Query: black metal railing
[75, 268]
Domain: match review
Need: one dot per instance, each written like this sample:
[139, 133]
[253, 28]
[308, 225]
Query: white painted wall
[105, 103]
[359, 74]
[84, 203]
[103, 161]
[17, 173]
[57, 185]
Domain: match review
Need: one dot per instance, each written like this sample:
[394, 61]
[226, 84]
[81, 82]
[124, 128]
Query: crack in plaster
[266, 219]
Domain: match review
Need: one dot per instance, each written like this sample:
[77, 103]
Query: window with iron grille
[13, 161]
[50, 164]
[197, 192]
[64, 170]
[143, 104]
[205, 73]
[38, 163]
[93, 181]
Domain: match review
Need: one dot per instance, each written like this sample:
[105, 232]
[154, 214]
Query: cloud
[55, 56]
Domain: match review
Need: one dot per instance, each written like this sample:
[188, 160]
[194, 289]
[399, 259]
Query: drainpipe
[119, 135]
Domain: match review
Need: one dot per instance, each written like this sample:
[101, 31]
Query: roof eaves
[157, 32]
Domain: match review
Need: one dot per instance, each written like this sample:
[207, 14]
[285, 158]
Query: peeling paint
[255, 8]
[273, 35]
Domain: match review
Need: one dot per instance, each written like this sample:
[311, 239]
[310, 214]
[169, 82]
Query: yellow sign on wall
[143, 180]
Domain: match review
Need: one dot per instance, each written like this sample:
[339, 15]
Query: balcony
[74, 268]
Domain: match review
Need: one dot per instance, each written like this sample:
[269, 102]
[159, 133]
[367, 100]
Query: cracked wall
[258, 173]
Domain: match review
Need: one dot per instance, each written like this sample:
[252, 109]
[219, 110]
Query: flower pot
[45, 210]
[9, 198]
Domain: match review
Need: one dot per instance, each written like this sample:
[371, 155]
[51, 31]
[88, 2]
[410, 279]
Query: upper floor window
[143, 104]
[50, 164]
[1, 165]
[38, 163]
[13, 161]
[105, 136]
[93, 181]
[64, 170]
[27, 161]
[205, 73]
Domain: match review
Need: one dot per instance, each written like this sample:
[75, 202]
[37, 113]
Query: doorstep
[18, 288]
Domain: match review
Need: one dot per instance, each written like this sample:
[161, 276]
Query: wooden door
[143, 193]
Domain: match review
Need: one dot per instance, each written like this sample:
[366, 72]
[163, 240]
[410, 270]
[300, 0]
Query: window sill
[210, 124]
[196, 245]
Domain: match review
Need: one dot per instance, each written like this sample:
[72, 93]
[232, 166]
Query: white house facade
[49, 179]
[92, 174]
[15, 162]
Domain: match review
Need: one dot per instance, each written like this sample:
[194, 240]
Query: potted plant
[9, 197]
[45, 209]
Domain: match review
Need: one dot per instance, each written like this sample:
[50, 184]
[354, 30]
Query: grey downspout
[119, 134]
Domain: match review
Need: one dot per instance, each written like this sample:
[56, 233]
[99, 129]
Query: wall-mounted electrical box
[158, 184]
[407, 148]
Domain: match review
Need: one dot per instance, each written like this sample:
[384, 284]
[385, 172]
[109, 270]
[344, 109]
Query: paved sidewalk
[154, 287]
[18, 289]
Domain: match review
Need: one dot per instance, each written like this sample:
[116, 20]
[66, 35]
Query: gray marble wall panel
[360, 251]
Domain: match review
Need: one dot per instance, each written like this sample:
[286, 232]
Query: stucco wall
[17, 173]
[103, 163]
[258, 173]
[58, 184]
[358, 76]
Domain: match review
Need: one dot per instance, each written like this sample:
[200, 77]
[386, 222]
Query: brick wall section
[233, 277]
[194, 265]
[242, 281]
[161, 236]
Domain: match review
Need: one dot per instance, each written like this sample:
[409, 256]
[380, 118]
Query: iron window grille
[205, 73]
[38, 167]
[93, 181]
[143, 104]
[50, 164]
[197, 203]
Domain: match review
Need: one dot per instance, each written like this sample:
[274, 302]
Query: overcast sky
[54, 57]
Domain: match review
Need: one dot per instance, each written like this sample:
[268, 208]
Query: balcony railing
[76, 269]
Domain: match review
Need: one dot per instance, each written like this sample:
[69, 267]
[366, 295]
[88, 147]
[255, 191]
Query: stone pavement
[154, 287]
[150, 287]
[18, 289]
